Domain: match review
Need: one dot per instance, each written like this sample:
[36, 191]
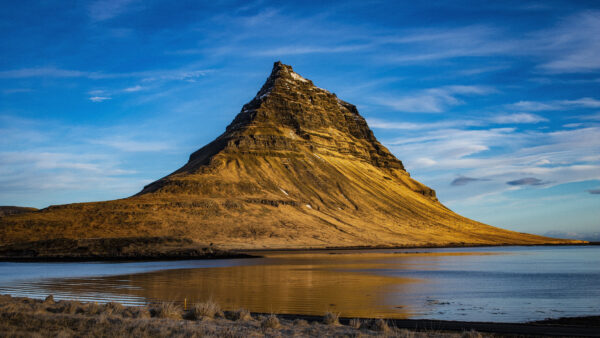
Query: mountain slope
[297, 167]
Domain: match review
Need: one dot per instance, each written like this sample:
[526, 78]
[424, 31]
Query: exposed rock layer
[297, 167]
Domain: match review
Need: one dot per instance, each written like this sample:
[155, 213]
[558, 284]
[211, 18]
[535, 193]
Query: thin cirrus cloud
[136, 88]
[133, 146]
[433, 100]
[101, 10]
[569, 50]
[151, 75]
[99, 98]
[299, 50]
[518, 118]
[559, 49]
[582, 103]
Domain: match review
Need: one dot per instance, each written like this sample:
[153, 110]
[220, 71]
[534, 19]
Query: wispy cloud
[385, 124]
[16, 91]
[127, 145]
[447, 43]
[150, 75]
[99, 98]
[574, 45]
[584, 102]
[133, 89]
[571, 46]
[299, 50]
[483, 121]
[533, 106]
[433, 100]
[518, 118]
[101, 10]
[42, 72]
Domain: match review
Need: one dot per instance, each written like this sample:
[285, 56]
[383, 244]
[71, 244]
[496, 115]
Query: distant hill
[11, 210]
[297, 168]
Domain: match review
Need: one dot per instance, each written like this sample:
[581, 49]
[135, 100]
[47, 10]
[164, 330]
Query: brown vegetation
[208, 309]
[25, 317]
[331, 318]
[129, 248]
[10, 210]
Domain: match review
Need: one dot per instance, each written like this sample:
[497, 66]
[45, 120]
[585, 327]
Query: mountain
[297, 168]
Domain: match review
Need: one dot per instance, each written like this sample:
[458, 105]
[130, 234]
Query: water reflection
[281, 285]
[485, 284]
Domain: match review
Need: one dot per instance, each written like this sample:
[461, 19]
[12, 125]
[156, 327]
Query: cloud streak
[101, 10]
[433, 100]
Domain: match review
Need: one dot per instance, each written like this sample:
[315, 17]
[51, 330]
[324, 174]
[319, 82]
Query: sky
[494, 104]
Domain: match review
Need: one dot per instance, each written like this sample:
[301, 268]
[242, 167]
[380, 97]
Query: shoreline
[124, 249]
[27, 252]
[376, 247]
[22, 316]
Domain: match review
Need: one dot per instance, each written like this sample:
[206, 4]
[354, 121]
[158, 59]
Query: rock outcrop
[297, 168]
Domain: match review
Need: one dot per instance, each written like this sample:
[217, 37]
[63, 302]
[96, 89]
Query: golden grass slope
[297, 168]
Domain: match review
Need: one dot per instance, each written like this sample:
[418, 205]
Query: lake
[501, 284]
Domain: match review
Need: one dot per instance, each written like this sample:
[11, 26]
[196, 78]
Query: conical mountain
[297, 168]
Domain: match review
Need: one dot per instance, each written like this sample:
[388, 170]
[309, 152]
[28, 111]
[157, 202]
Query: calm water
[480, 284]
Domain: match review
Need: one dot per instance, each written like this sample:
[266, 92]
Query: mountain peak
[281, 70]
[289, 112]
[297, 167]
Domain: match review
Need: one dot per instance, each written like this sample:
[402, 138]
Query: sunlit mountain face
[297, 168]
[495, 106]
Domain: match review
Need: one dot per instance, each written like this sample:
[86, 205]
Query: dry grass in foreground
[26, 317]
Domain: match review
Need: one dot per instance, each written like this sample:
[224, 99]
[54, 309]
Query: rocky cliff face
[288, 117]
[297, 167]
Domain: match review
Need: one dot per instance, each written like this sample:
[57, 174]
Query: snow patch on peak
[298, 77]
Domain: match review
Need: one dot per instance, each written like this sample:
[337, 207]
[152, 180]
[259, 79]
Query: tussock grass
[270, 322]
[331, 318]
[23, 317]
[166, 310]
[239, 314]
[49, 299]
[379, 325]
[208, 309]
[300, 322]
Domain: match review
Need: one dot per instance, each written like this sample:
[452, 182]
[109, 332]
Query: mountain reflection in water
[492, 284]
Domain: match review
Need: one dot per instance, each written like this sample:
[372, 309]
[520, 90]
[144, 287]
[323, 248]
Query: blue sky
[496, 105]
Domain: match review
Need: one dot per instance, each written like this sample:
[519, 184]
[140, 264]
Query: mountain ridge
[296, 168]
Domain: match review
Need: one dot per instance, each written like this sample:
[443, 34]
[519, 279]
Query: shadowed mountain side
[297, 168]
